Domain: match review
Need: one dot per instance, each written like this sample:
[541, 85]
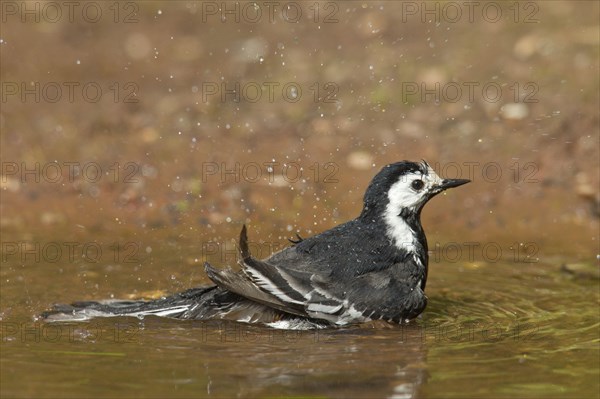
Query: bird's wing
[302, 293]
[299, 287]
[240, 284]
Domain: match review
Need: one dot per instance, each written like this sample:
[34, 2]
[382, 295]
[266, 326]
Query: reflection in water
[337, 363]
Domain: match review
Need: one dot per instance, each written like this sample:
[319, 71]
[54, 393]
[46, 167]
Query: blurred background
[138, 137]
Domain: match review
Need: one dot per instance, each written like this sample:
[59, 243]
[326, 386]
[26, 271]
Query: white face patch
[403, 195]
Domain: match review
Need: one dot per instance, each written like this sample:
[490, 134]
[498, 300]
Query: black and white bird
[371, 268]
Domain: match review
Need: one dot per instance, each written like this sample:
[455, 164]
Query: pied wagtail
[373, 267]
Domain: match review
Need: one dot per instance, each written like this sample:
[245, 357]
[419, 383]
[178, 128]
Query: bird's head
[403, 188]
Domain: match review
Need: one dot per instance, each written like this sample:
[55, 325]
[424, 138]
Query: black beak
[449, 183]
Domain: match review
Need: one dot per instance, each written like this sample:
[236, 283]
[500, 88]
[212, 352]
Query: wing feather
[240, 284]
[289, 290]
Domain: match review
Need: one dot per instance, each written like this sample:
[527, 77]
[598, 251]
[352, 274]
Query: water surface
[496, 329]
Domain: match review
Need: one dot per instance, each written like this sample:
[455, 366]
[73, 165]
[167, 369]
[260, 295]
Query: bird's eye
[417, 185]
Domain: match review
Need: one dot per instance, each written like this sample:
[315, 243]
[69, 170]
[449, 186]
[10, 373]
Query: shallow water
[490, 330]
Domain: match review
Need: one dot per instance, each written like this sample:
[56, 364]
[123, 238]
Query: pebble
[514, 111]
[360, 160]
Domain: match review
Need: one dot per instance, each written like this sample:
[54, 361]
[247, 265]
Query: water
[490, 330]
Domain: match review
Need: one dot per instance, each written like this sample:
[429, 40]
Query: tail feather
[177, 306]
